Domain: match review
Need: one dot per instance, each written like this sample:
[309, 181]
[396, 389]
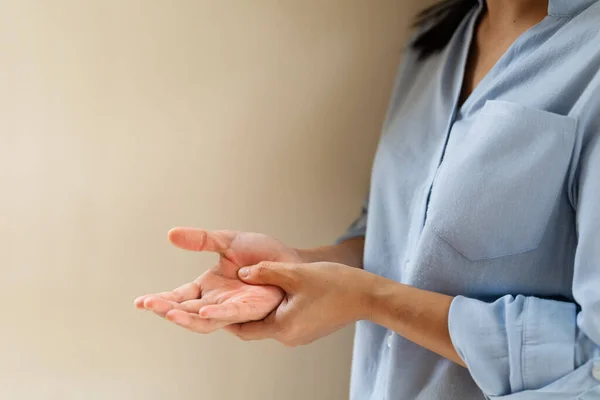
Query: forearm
[350, 252]
[418, 315]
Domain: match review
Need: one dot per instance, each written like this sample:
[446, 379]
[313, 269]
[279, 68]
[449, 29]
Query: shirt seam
[561, 16]
[571, 15]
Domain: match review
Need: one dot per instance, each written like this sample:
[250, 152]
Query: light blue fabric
[496, 202]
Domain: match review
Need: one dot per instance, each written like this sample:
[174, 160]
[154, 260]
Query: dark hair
[439, 22]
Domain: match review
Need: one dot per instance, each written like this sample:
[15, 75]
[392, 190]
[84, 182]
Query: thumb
[195, 239]
[269, 273]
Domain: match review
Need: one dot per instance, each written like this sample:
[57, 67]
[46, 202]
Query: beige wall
[122, 118]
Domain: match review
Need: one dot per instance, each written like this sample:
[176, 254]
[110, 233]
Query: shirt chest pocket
[495, 192]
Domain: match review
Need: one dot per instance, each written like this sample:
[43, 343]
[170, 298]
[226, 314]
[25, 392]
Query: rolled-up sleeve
[359, 227]
[521, 347]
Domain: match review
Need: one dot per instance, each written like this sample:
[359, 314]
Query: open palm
[218, 298]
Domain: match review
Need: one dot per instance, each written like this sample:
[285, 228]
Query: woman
[481, 234]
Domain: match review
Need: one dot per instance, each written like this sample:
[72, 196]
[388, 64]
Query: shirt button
[596, 370]
[390, 338]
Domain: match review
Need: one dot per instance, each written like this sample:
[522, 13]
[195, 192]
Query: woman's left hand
[320, 299]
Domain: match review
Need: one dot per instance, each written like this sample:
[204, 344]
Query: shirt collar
[563, 8]
[567, 8]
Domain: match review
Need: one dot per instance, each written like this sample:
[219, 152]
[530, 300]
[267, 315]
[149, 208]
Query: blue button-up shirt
[497, 202]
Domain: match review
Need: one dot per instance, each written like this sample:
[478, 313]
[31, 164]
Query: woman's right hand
[219, 292]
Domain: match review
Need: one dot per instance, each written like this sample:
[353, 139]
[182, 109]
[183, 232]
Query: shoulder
[575, 51]
[584, 28]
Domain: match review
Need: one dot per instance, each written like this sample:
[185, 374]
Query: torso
[457, 203]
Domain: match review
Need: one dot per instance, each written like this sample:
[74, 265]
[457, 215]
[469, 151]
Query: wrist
[348, 253]
[386, 301]
[368, 297]
[307, 255]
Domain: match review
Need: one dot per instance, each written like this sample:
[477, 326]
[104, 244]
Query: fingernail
[244, 272]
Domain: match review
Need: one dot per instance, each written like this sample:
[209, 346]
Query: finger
[234, 329]
[195, 239]
[269, 273]
[191, 321]
[185, 292]
[227, 311]
[157, 305]
[139, 302]
[161, 306]
[258, 330]
[191, 306]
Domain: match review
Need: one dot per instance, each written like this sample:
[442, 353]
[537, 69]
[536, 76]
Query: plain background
[122, 118]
